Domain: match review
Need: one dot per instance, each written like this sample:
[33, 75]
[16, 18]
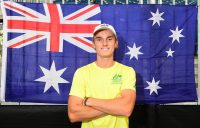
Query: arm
[121, 106]
[78, 112]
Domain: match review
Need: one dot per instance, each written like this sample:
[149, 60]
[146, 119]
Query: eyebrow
[110, 36]
[97, 37]
[101, 37]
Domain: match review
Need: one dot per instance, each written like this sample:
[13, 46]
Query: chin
[106, 56]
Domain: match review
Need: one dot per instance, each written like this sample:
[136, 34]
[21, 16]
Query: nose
[105, 42]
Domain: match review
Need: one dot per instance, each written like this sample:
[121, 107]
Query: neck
[105, 63]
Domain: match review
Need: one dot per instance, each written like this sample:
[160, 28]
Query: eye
[110, 38]
[98, 39]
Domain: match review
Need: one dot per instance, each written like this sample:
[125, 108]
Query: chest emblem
[117, 79]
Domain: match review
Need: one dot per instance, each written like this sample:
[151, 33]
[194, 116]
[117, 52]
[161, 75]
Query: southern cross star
[134, 51]
[170, 53]
[153, 86]
[156, 17]
[176, 34]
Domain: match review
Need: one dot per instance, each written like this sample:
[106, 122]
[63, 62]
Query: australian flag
[44, 44]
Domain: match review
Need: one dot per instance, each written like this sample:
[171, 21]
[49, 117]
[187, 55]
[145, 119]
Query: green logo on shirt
[117, 79]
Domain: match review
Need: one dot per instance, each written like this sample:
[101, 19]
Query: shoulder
[84, 69]
[125, 67]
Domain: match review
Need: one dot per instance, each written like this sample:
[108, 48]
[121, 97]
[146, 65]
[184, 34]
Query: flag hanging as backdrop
[45, 43]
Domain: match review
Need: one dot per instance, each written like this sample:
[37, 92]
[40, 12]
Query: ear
[93, 46]
[116, 44]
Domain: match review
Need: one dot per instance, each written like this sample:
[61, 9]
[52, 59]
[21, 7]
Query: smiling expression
[105, 43]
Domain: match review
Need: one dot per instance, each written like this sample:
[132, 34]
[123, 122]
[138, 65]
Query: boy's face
[105, 43]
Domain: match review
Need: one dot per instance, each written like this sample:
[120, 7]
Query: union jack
[74, 28]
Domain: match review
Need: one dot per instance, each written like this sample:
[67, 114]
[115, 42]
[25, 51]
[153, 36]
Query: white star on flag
[156, 17]
[170, 52]
[153, 86]
[134, 51]
[52, 77]
[176, 34]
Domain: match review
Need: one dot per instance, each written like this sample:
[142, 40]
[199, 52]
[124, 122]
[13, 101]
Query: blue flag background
[156, 40]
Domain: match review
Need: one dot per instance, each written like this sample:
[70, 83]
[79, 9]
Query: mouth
[105, 49]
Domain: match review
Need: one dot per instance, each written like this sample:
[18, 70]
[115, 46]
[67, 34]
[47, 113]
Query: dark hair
[94, 34]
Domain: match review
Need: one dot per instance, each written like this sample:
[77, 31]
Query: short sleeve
[129, 79]
[78, 85]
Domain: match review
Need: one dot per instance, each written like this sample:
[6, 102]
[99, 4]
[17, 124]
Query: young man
[103, 93]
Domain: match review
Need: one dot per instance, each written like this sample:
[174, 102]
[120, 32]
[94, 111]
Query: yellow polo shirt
[96, 82]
